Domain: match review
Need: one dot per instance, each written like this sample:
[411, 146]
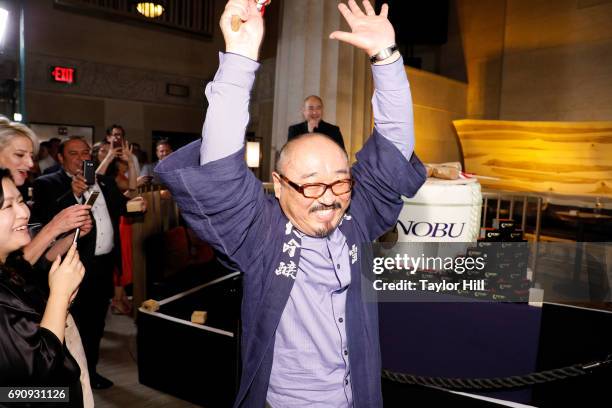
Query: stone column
[308, 62]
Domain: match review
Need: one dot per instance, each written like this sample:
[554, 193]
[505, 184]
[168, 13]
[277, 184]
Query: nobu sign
[433, 230]
[63, 74]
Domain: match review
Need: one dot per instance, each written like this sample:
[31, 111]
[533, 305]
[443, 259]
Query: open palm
[369, 31]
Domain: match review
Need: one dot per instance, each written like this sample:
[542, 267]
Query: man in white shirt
[100, 250]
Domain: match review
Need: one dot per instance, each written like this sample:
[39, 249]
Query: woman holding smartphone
[39, 346]
[18, 145]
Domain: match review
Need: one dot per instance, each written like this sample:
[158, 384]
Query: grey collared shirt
[311, 364]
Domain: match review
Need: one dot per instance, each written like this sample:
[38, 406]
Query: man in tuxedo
[99, 250]
[314, 123]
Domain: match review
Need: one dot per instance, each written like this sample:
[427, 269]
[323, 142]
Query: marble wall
[437, 101]
[475, 47]
[534, 59]
[122, 73]
[309, 63]
[557, 60]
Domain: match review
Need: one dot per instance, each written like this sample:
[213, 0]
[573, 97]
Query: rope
[475, 212]
[499, 383]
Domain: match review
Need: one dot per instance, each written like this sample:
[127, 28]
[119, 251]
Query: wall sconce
[252, 154]
[150, 9]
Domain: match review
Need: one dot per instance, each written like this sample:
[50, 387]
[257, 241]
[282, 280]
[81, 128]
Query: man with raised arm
[308, 337]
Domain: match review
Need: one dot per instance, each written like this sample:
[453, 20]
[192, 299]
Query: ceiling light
[150, 9]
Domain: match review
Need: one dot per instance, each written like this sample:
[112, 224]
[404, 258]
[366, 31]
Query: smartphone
[92, 198]
[89, 172]
[90, 201]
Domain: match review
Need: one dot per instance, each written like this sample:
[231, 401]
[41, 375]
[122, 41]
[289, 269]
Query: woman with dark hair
[38, 338]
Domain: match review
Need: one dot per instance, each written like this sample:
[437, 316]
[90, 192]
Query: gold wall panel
[437, 101]
[572, 158]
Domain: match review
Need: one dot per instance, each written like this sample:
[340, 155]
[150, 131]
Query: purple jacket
[226, 205]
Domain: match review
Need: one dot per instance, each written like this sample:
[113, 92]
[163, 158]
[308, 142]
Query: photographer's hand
[79, 186]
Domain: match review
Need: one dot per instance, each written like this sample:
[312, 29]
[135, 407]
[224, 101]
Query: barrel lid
[447, 192]
[438, 181]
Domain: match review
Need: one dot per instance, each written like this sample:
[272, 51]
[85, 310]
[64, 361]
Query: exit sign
[65, 75]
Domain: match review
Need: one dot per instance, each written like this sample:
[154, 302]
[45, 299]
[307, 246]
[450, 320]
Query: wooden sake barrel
[442, 211]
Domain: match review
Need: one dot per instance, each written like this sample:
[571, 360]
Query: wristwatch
[383, 54]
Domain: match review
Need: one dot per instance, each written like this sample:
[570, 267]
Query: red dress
[125, 235]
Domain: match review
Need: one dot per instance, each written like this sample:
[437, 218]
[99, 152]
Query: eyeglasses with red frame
[316, 190]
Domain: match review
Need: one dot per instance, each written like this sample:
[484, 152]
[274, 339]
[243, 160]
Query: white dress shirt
[104, 226]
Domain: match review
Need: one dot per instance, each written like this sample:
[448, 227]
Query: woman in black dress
[33, 324]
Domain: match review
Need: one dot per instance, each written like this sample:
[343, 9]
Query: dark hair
[15, 261]
[4, 173]
[16, 270]
[163, 142]
[60, 149]
[109, 130]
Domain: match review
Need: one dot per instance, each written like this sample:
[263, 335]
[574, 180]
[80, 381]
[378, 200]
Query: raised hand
[125, 152]
[112, 152]
[370, 32]
[247, 40]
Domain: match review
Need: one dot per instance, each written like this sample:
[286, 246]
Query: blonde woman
[18, 145]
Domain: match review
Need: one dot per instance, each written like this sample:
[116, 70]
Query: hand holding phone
[78, 185]
[90, 201]
[116, 149]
